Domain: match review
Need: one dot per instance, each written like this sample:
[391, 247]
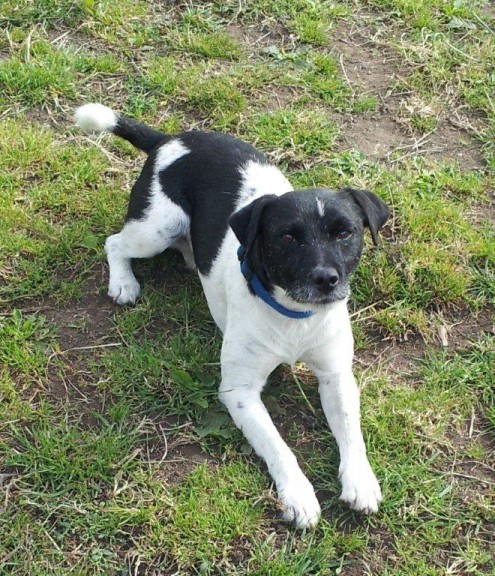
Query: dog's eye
[288, 239]
[344, 234]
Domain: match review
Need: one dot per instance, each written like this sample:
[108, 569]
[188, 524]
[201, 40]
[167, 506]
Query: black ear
[246, 222]
[374, 210]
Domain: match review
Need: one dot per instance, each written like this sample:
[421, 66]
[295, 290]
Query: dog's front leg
[340, 401]
[244, 374]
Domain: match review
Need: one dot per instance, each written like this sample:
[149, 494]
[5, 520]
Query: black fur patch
[140, 193]
[205, 183]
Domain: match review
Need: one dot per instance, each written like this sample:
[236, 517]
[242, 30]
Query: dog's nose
[325, 278]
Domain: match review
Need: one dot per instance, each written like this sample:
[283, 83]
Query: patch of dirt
[167, 271]
[363, 61]
[236, 31]
[370, 67]
[75, 41]
[181, 457]
[450, 143]
[468, 327]
[374, 135]
[87, 321]
[467, 468]
[455, 332]
[379, 136]
[395, 357]
[488, 10]
[83, 327]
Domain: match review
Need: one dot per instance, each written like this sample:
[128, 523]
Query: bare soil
[379, 72]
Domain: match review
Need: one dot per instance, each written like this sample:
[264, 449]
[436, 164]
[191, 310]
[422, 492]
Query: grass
[116, 456]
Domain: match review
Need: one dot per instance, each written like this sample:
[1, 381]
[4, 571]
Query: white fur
[96, 118]
[256, 340]
[320, 206]
[260, 180]
[164, 224]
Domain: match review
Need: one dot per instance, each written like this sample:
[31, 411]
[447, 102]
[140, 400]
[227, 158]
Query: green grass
[115, 454]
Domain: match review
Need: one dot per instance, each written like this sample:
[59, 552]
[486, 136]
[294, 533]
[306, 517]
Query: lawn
[116, 457]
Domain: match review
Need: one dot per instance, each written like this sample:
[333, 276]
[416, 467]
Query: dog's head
[305, 245]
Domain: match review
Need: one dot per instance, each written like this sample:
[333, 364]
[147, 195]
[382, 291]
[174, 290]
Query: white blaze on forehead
[321, 206]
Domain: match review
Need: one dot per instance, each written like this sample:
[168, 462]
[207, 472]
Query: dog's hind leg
[163, 224]
[154, 222]
[183, 245]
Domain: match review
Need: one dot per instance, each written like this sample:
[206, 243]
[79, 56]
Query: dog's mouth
[310, 295]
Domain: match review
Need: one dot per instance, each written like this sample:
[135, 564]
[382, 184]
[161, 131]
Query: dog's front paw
[360, 488]
[299, 504]
[125, 292]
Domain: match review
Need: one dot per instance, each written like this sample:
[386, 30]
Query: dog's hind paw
[299, 504]
[360, 488]
[125, 292]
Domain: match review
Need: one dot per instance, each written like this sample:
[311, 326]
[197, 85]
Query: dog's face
[308, 243]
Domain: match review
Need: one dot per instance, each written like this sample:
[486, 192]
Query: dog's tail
[99, 118]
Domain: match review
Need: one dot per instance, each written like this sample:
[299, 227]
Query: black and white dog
[275, 266]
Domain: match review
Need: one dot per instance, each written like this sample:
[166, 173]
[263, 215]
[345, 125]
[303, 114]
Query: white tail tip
[95, 118]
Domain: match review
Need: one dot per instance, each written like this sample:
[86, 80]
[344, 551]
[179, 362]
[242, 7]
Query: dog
[275, 266]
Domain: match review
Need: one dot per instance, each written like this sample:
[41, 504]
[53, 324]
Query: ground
[116, 456]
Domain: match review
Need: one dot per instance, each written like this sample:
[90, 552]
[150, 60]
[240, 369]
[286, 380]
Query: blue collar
[262, 292]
